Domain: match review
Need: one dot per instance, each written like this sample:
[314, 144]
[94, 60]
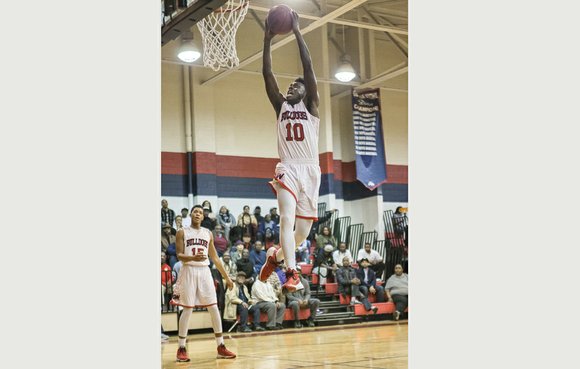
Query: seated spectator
[219, 240]
[166, 237]
[229, 266]
[258, 256]
[368, 284]
[227, 221]
[265, 300]
[258, 214]
[270, 239]
[324, 265]
[247, 241]
[178, 222]
[207, 205]
[303, 252]
[176, 269]
[325, 238]
[348, 283]
[341, 253]
[300, 299]
[236, 251]
[167, 215]
[375, 260]
[207, 221]
[274, 215]
[397, 290]
[171, 254]
[238, 302]
[281, 272]
[264, 225]
[327, 215]
[167, 282]
[274, 280]
[186, 220]
[245, 265]
[248, 223]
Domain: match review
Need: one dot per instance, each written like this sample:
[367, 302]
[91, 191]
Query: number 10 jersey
[297, 134]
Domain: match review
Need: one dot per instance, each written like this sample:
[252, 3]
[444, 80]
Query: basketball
[280, 19]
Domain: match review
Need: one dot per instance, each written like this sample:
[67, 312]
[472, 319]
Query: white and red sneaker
[224, 353]
[293, 281]
[270, 264]
[182, 354]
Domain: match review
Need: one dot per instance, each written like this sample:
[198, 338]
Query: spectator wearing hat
[300, 299]
[167, 215]
[373, 257]
[368, 284]
[236, 251]
[167, 238]
[324, 265]
[238, 302]
[397, 290]
[207, 205]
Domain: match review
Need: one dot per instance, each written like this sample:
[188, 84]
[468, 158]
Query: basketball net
[218, 32]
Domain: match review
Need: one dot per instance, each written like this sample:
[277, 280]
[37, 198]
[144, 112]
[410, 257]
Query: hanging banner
[371, 169]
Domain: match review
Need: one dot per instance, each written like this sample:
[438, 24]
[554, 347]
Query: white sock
[184, 325]
[216, 322]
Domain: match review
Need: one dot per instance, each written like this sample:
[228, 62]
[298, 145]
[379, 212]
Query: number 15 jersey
[297, 134]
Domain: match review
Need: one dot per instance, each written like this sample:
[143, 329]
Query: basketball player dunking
[195, 286]
[297, 176]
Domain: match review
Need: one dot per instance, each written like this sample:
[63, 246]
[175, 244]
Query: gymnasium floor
[364, 345]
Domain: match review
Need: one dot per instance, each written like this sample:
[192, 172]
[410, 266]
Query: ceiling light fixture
[188, 52]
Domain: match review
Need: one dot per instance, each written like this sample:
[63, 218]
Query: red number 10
[298, 130]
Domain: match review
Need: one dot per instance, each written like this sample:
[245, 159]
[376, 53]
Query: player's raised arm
[218, 263]
[311, 99]
[276, 98]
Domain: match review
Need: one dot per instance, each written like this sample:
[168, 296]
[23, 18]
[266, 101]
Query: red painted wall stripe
[243, 166]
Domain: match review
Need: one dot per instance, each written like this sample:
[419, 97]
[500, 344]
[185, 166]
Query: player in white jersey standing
[297, 176]
[195, 286]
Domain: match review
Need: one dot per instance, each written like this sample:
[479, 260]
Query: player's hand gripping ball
[280, 19]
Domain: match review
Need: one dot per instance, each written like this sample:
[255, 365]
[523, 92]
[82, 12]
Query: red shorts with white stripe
[303, 182]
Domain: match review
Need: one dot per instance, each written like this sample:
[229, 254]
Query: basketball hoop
[218, 32]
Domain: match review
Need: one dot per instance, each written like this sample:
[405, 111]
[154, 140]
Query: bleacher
[334, 309]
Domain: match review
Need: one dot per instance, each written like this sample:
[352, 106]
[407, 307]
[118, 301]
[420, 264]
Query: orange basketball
[280, 19]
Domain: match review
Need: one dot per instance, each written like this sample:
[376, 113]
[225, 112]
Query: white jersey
[196, 240]
[297, 134]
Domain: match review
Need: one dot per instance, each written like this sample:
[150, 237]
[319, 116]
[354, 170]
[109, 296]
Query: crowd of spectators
[241, 243]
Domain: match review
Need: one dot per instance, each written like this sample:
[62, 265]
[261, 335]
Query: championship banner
[371, 169]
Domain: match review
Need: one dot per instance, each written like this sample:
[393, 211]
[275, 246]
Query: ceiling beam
[312, 26]
[401, 45]
[289, 76]
[344, 22]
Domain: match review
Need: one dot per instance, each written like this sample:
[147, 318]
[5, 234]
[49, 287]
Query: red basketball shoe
[292, 281]
[270, 264]
[182, 354]
[224, 353]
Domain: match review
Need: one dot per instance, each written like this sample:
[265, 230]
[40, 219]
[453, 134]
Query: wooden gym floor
[364, 345]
